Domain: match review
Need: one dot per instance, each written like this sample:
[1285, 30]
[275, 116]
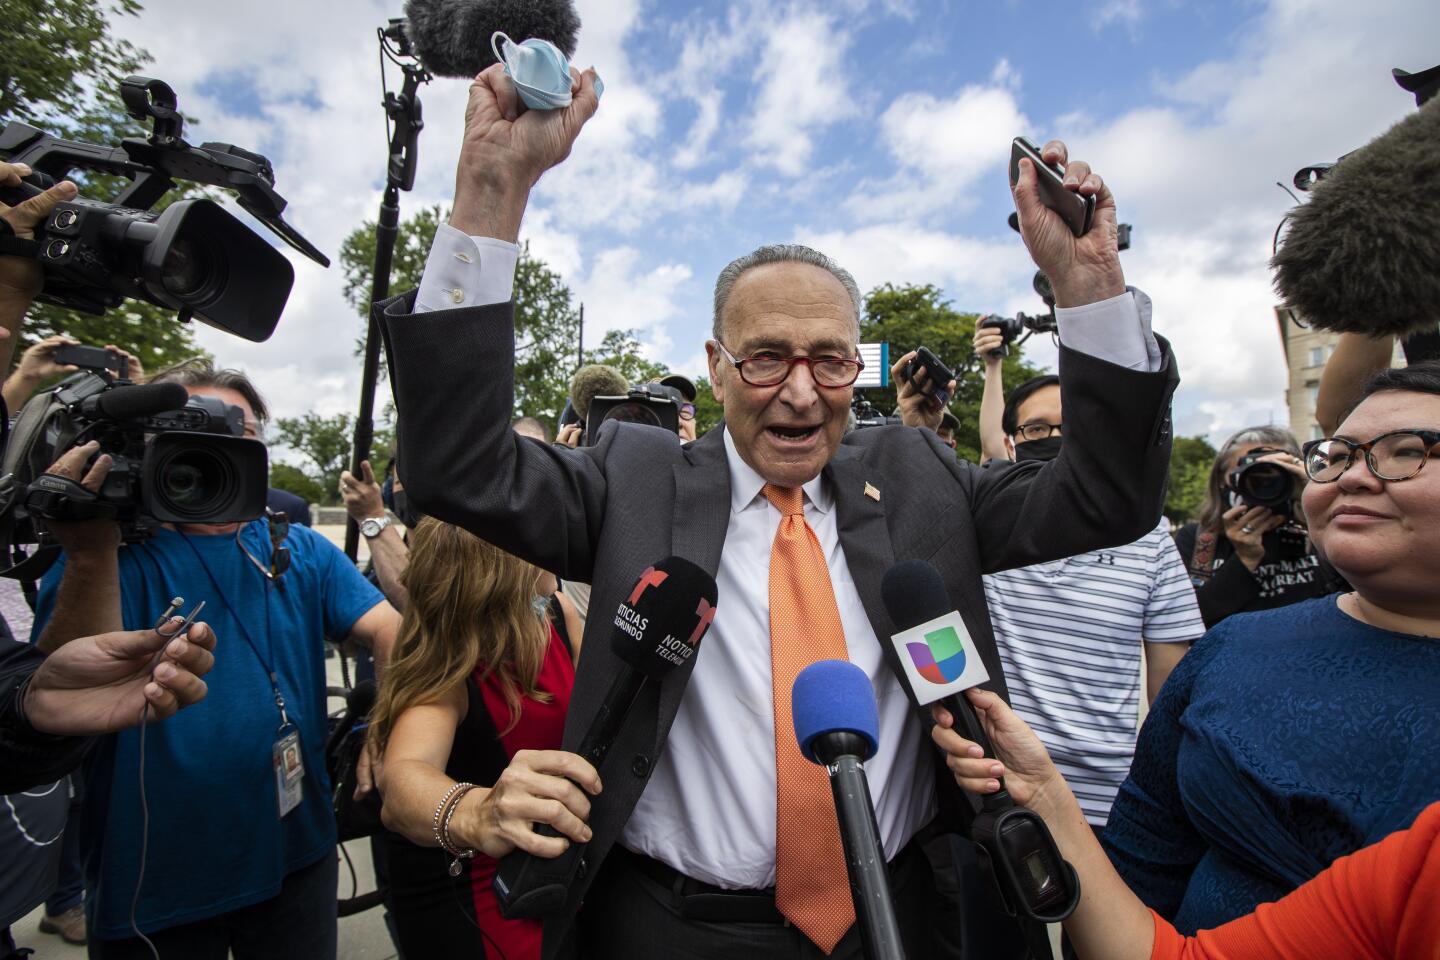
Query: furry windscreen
[452, 37]
[1363, 256]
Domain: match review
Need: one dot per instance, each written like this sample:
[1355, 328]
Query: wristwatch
[371, 526]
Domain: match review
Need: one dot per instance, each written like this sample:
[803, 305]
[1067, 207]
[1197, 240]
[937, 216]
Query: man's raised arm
[1107, 485]
[452, 347]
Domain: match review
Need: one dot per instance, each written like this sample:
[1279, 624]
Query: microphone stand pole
[402, 111]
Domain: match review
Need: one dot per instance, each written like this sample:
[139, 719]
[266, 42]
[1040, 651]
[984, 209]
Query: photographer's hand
[1245, 528]
[88, 601]
[569, 435]
[37, 365]
[507, 148]
[1081, 269]
[917, 409]
[986, 340]
[98, 684]
[21, 277]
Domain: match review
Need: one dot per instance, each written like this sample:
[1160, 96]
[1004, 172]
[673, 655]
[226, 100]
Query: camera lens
[187, 270]
[633, 413]
[195, 482]
[1265, 483]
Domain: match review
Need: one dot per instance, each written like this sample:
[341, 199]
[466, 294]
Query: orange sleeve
[1380, 903]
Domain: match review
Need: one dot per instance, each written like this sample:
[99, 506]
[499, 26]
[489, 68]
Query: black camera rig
[174, 459]
[192, 256]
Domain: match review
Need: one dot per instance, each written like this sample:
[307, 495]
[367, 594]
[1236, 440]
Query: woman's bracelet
[444, 812]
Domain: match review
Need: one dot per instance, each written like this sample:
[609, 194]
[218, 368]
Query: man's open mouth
[793, 434]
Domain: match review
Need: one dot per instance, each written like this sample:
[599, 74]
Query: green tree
[912, 316]
[324, 443]
[621, 349]
[288, 477]
[60, 69]
[708, 410]
[1190, 462]
[547, 320]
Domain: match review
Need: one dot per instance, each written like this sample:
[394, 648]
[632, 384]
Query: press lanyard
[267, 659]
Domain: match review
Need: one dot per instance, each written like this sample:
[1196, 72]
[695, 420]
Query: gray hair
[779, 253]
[201, 372]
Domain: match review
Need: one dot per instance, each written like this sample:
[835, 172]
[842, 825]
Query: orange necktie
[812, 889]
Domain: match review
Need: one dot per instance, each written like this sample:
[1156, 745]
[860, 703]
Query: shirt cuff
[1116, 330]
[465, 271]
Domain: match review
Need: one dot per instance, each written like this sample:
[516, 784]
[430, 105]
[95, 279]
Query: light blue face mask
[542, 606]
[540, 72]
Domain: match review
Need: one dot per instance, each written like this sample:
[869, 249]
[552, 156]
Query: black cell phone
[88, 358]
[1075, 210]
[938, 385]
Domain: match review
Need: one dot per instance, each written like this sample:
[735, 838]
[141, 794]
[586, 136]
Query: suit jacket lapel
[864, 535]
[699, 524]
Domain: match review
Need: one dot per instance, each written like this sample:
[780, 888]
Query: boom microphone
[1363, 256]
[838, 727]
[1034, 879]
[595, 380]
[657, 628]
[452, 37]
[127, 403]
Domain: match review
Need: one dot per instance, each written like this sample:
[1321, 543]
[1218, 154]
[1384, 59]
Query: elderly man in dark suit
[709, 839]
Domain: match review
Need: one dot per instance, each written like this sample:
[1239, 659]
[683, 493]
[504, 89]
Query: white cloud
[802, 88]
[942, 147]
[620, 293]
[1118, 11]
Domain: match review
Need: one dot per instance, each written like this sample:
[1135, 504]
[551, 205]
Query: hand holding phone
[938, 376]
[1077, 211]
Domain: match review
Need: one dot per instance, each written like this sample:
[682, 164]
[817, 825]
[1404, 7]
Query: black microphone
[128, 403]
[657, 628]
[452, 37]
[838, 727]
[938, 663]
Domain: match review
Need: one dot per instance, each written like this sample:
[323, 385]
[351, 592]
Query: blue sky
[876, 131]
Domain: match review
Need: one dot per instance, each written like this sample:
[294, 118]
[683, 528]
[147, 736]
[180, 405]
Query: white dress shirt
[709, 808]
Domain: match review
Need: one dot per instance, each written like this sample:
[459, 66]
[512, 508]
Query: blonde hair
[471, 606]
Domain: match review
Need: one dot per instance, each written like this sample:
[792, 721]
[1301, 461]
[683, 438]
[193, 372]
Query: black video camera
[175, 460]
[650, 403]
[193, 256]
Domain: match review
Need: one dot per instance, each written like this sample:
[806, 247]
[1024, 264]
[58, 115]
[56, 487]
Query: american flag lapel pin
[872, 492]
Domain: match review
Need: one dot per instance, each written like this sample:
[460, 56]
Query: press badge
[289, 767]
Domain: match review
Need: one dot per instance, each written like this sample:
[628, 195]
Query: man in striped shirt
[1070, 632]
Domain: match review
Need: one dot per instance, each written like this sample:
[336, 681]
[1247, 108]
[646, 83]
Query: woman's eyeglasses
[1397, 455]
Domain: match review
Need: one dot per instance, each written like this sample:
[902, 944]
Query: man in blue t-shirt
[239, 853]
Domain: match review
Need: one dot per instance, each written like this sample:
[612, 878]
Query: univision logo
[941, 658]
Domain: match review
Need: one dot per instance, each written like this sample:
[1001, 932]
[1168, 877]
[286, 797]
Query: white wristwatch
[371, 526]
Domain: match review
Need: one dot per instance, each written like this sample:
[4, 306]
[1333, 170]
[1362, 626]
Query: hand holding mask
[539, 71]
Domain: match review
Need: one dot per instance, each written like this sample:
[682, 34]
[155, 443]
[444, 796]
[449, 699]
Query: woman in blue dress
[1289, 737]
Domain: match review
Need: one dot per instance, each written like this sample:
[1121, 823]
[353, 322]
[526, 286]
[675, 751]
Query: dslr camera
[176, 459]
[652, 403]
[1257, 484]
[193, 256]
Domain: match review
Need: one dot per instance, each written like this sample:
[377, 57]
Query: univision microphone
[939, 663]
[837, 726]
[657, 628]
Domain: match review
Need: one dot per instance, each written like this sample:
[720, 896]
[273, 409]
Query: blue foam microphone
[838, 727]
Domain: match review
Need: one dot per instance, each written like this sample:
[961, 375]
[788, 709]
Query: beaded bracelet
[440, 823]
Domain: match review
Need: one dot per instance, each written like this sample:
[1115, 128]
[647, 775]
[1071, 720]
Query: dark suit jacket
[601, 514]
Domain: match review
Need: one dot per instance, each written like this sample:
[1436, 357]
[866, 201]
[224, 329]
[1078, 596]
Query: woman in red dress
[482, 670]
